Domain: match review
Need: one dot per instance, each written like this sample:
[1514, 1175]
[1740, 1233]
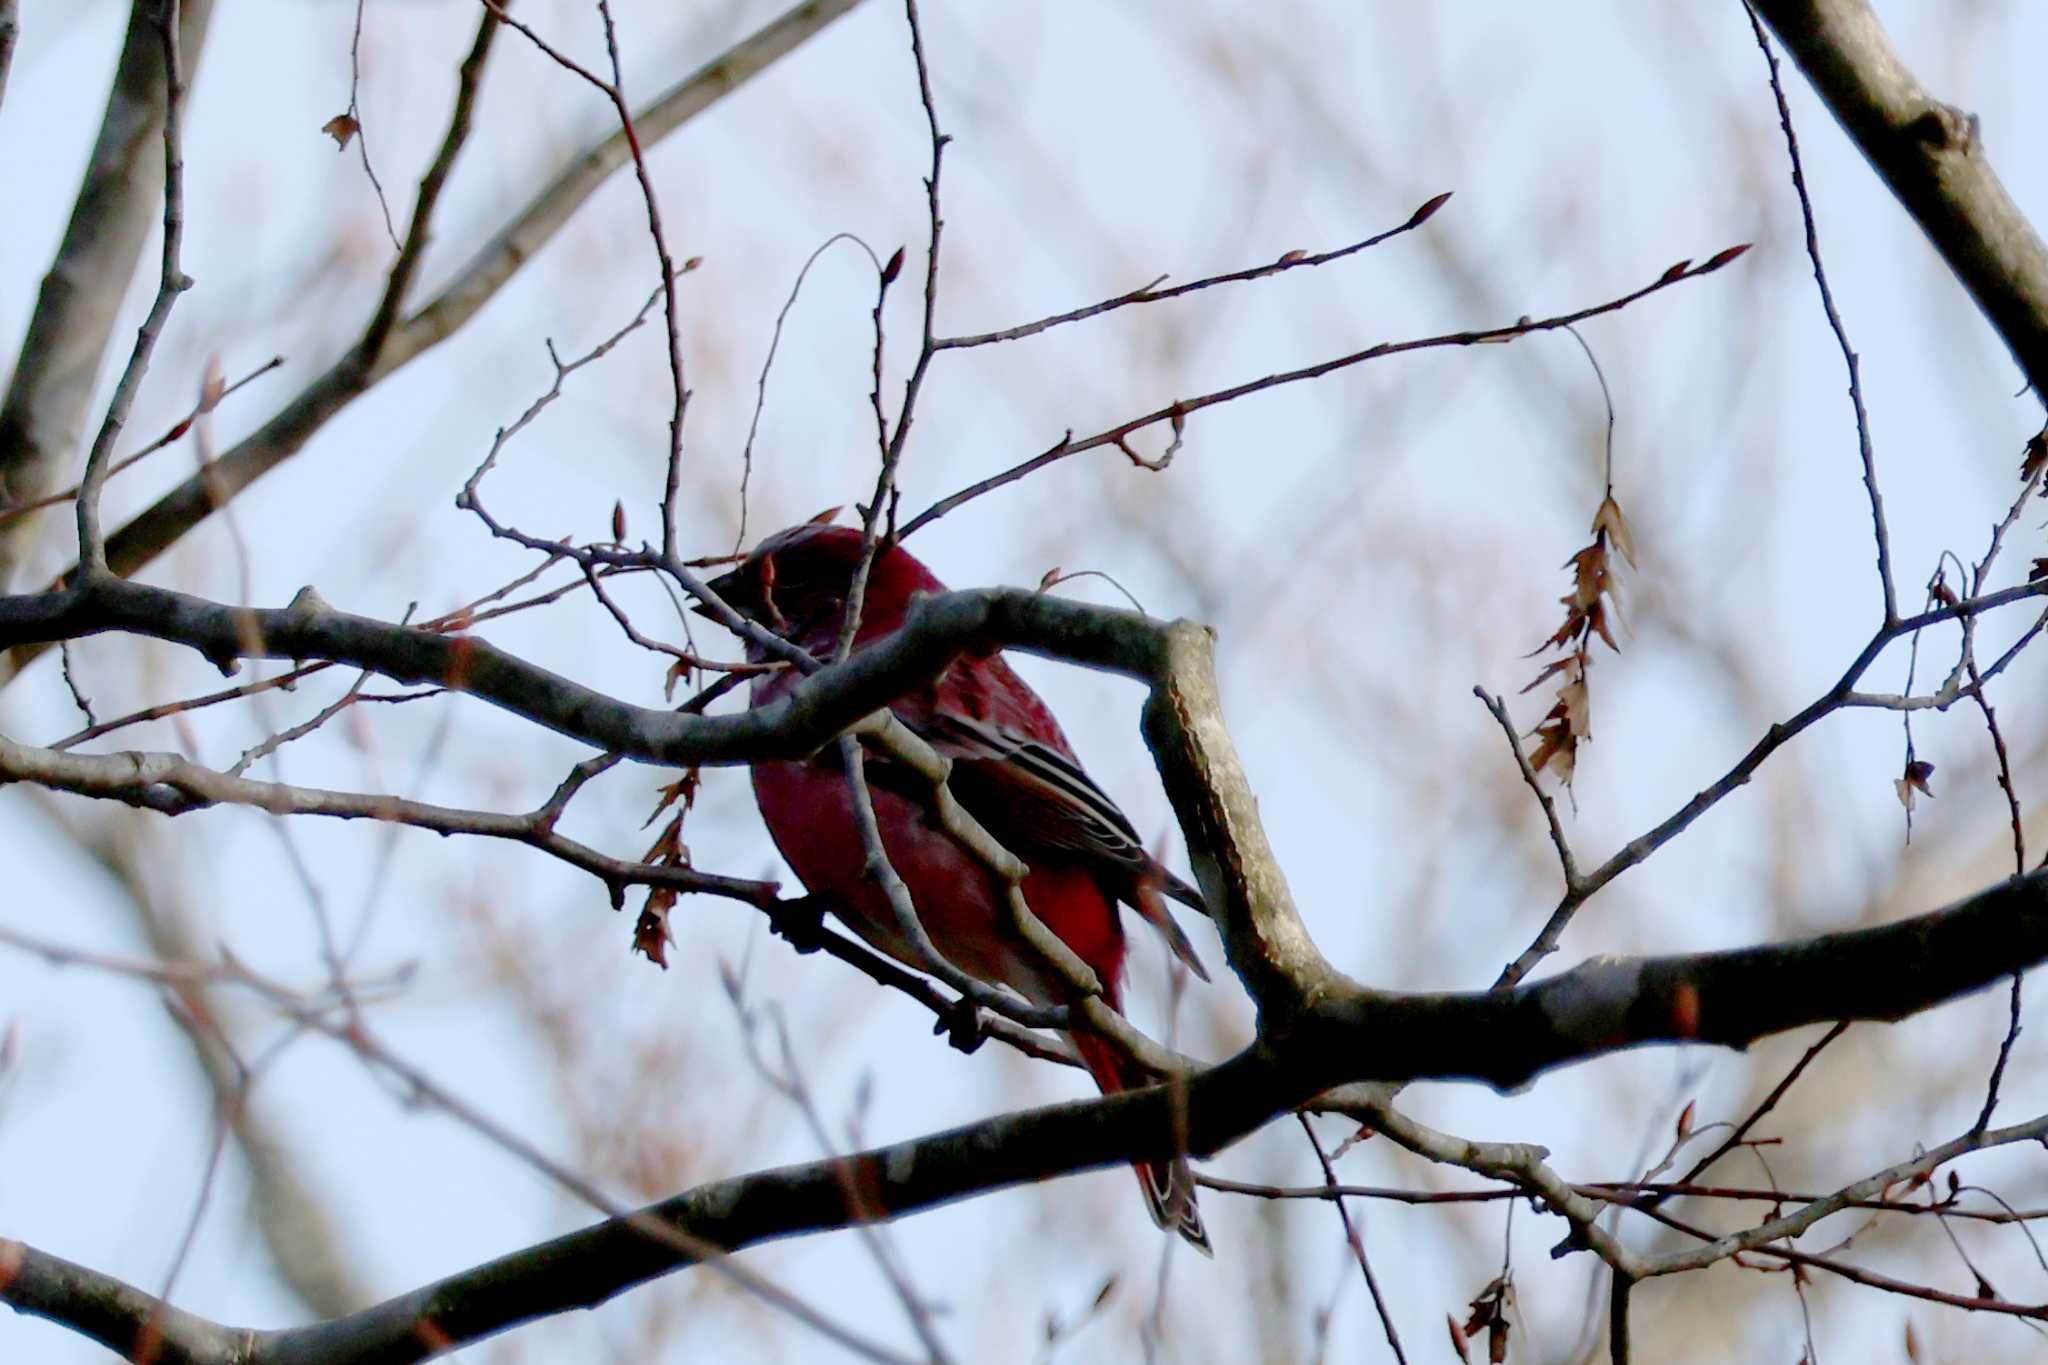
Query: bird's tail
[1169, 1186]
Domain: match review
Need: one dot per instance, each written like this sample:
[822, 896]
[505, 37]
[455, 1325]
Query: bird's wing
[1050, 801]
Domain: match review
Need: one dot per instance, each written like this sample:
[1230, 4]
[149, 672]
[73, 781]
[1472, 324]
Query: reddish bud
[1428, 210]
[1722, 257]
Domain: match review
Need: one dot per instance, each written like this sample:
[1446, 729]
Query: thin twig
[1179, 410]
[1764, 1106]
[788, 1081]
[1776, 737]
[768, 364]
[1152, 293]
[358, 131]
[1566, 861]
[1356, 1241]
[172, 281]
[2012, 1035]
[207, 403]
[78, 697]
[1827, 302]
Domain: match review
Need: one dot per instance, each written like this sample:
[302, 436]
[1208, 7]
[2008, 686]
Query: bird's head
[796, 583]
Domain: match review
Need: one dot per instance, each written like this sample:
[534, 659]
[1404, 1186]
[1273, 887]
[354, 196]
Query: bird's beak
[727, 586]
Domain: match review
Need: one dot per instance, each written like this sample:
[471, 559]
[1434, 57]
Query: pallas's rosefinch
[1014, 772]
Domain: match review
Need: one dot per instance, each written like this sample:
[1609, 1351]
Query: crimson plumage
[1013, 769]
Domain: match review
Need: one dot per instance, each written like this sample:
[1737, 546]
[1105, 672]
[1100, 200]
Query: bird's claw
[962, 1025]
[801, 921]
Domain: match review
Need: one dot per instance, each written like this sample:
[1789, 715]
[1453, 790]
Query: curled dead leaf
[1572, 701]
[343, 129]
[2035, 459]
[651, 935]
[1914, 780]
[1609, 521]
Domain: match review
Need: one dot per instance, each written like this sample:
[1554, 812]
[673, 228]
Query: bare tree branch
[1834, 316]
[1504, 1038]
[171, 282]
[300, 1230]
[1176, 413]
[10, 30]
[493, 264]
[388, 343]
[42, 418]
[1933, 158]
[118, 1316]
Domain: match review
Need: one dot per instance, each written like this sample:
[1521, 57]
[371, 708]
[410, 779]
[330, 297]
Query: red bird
[1014, 772]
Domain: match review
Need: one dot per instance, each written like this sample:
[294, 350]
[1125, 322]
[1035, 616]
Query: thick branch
[1270, 948]
[42, 418]
[816, 712]
[1268, 945]
[1730, 998]
[10, 30]
[1932, 157]
[1205, 781]
[118, 1316]
[1505, 1038]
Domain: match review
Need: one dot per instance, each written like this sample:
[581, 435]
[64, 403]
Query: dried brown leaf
[683, 789]
[1589, 575]
[651, 936]
[1609, 521]
[343, 129]
[1596, 615]
[2036, 457]
[1573, 702]
[1917, 773]
[1550, 670]
[1554, 745]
